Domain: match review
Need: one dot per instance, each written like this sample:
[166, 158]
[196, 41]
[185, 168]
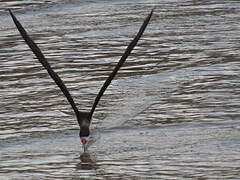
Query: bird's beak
[84, 147]
[84, 143]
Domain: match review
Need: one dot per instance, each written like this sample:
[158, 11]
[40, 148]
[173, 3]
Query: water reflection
[87, 162]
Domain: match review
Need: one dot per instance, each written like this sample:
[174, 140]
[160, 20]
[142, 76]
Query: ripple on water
[172, 111]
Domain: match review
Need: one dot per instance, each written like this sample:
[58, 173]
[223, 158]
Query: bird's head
[84, 141]
[84, 134]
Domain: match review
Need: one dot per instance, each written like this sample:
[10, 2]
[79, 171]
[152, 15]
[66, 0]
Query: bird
[83, 118]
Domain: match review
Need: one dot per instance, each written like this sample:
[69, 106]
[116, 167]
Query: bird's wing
[44, 62]
[121, 61]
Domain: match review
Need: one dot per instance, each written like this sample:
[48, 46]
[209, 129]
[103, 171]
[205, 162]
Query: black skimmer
[83, 118]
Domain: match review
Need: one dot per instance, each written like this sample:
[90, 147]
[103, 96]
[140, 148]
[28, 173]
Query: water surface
[172, 112]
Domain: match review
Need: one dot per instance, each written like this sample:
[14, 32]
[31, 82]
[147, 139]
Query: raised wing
[121, 62]
[45, 64]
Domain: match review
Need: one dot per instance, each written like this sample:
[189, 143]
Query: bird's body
[83, 118]
[85, 121]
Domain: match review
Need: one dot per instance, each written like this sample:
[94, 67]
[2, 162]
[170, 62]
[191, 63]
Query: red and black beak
[84, 141]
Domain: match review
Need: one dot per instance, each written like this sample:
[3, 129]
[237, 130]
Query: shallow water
[171, 113]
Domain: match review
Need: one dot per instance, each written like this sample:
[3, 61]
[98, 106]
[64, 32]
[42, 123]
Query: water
[171, 113]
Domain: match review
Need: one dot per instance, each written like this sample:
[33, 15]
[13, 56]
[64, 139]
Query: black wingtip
[14, 18]
[12, 15]
[10, 12]
[151, 13]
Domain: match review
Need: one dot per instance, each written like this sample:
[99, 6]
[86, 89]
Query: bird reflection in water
[86, 162]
